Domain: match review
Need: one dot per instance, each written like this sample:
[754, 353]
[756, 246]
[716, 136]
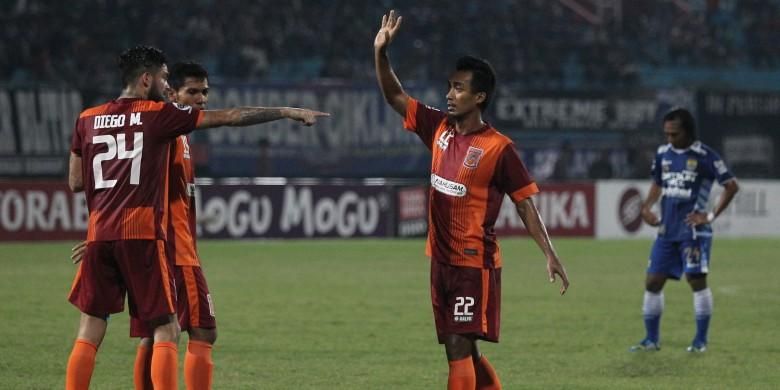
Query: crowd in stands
[543, 44]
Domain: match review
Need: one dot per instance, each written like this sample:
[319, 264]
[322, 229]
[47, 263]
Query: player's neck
[133, 93]
[469, 123]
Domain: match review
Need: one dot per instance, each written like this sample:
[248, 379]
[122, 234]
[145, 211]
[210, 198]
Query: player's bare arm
[247, 116]
[652, 198]
[527, 211]
[730, 188]
[75, 178]
[388, 81]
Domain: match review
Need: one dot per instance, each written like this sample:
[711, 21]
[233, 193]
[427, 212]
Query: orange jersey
[124, 145]
[470, 174]
[182, 230]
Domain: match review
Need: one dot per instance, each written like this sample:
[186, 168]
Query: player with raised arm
[473, 167]
[684, 171]
[126, 144]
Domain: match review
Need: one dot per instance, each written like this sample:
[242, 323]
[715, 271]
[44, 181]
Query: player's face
[461, 99]
[194, 92]
[159, 84]
[675, 134]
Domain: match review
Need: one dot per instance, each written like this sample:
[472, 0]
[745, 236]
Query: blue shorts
[675, 257]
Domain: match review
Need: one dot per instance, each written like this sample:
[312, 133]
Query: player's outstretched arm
[388, 81]
[75, 176]
[247, 116]
[527, 211]
[652, 197]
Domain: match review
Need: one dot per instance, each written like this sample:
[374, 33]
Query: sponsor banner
[35, 128]
[749, 215]
[412, 211]
[744, 127]
[566, 209]
[41, 211]
[294, 211]
[518, 109]
[363, 137]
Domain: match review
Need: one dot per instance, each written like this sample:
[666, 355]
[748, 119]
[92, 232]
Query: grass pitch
[356, 315]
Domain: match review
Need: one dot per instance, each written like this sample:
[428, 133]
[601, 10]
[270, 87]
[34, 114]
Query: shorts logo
[472, 157]
[463, 311]
[211, 305]
[691, 164]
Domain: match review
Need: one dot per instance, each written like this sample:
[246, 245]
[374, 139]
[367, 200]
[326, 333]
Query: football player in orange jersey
[473, 168]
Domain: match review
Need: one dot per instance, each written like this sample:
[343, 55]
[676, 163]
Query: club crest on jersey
[691, 164]
[472, 157]
[444, 139]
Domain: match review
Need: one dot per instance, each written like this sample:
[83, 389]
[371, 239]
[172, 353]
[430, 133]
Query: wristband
[710, 217]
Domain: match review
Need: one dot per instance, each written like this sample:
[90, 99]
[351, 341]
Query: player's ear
[481, 96]
[146, 79]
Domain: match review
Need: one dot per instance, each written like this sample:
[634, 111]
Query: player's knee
[458, 346]
[166, 329]
[203, 334]
[697, 281]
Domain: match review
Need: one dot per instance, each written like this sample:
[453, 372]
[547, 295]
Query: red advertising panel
[41, 211]
[567, 209]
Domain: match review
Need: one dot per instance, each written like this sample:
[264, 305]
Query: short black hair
[181, 70]
[686, 121]
[134, 61]
[483, 77]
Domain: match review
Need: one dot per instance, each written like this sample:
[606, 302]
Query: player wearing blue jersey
[684, 171]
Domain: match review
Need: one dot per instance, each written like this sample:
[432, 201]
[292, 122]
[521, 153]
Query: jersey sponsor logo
[448, 187]
[676, 184]
[691, 164]
[444, 139]
[183, 107]
[473, 155]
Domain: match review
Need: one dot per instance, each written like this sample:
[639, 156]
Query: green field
[356, 315]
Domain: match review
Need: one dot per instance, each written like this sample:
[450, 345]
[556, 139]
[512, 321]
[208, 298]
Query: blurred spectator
[540, 44]
[601, 168]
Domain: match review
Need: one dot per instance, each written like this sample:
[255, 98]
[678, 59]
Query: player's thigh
[665, 259]
[195, 305]
[148, 277]
[98, 288]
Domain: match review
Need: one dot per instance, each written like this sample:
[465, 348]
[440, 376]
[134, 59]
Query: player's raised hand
[390, 24]
[554, 267]
[77, 252]
[305, 116]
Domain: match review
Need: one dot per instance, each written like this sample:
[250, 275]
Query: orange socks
[486, 375]
[165, 366]
[142, 371]
[198, 365]
[80, 365]
[462, 375]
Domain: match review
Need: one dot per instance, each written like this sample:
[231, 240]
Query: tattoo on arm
[245, 116]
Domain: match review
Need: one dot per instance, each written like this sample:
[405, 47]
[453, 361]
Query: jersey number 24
[117, 148]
